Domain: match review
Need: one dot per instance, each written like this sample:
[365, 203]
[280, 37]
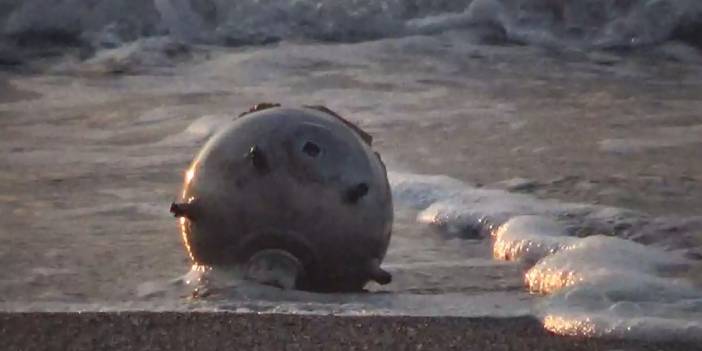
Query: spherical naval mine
[294, 197]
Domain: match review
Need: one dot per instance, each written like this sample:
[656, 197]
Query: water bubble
[626, 309]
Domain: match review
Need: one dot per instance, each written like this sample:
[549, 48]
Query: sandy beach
[210, 331]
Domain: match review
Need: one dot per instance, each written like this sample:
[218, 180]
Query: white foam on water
[529, 238]
[592, 23]
[264, 300]
[625, 304]
[608, 325]
[217, 289]
[455, 206]
[605, 286]
[598, 285]
[595, 257]
[143, 55]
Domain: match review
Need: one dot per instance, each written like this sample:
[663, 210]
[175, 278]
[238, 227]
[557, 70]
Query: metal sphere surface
[303, 181]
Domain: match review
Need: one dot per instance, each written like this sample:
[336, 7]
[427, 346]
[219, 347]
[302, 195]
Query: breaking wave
[578, 23]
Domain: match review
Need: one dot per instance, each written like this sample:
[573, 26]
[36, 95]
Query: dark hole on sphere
[311, 149]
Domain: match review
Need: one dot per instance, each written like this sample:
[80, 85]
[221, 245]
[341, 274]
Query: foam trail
[599, 285]
[529, 239]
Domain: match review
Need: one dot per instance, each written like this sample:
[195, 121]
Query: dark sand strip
[234, 331]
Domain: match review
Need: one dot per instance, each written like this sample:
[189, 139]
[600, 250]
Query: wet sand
[230, 331]
[9, 94]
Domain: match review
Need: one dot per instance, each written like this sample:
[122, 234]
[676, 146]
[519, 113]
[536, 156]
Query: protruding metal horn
[355, 193]
[183, 210]
[378, 274]
[260, 107]
[258, 158]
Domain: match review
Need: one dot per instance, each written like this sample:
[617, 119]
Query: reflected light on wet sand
[570, 326]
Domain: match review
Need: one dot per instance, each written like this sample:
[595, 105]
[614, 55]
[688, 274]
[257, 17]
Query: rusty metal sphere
[297, 187]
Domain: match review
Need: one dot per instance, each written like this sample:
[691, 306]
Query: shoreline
[229, 330]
